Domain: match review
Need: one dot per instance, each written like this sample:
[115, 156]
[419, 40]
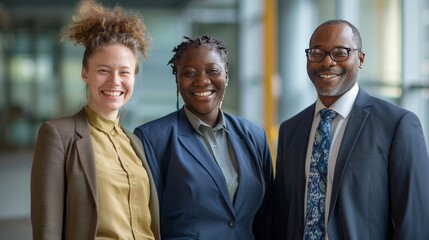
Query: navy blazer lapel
[195, 147]
[303, 130]
[243, 159]
[355, 124]
[85, 151]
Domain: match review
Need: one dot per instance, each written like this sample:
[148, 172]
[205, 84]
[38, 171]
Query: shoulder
[66, 127]
[158, 127]
[167, 120]
[366, 101]
[69, 120]
[59, 135]
[63, 125]
[304, 116]
[242, 125]
[385, 110]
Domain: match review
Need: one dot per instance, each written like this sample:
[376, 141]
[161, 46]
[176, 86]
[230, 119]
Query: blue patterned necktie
[317, 178]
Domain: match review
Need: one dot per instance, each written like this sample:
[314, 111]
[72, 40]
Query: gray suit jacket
[380, 187]
[64, 185]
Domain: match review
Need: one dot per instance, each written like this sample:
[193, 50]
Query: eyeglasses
[337, 54]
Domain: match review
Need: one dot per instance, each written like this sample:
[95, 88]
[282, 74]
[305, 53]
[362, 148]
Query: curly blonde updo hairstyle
[95, 27]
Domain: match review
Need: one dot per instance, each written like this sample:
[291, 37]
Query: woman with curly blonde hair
[90, 178]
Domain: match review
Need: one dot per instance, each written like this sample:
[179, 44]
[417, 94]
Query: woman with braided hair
[90, 178]
[212, 170]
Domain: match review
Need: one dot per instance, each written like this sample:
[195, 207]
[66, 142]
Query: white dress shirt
[343, 107]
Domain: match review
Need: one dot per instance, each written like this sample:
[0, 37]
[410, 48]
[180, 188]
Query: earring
[223, 96]
[221, 101]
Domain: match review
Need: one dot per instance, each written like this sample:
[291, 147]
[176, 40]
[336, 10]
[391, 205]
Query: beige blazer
[64, 184]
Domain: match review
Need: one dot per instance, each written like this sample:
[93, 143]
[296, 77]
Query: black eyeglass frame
[330, 53]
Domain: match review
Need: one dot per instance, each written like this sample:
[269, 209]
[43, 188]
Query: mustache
[324, 70]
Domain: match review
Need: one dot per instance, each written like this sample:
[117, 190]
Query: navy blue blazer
[194, 198]
[380, 188]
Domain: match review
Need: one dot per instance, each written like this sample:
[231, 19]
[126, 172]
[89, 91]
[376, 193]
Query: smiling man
[350, 166]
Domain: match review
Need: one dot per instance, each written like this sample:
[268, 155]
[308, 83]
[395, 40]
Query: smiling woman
[216, 166]
[110, 79]
[202, 80]
[82, 160]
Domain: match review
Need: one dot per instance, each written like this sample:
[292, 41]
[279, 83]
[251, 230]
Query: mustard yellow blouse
[122, 182]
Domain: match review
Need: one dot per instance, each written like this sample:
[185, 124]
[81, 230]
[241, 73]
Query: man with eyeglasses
[350, 166]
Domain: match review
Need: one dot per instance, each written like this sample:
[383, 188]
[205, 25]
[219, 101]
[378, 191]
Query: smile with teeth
[328, 75]
[203, 94]
[112, 93]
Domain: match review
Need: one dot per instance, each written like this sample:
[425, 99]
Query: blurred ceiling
[51, 13]
[13, 4]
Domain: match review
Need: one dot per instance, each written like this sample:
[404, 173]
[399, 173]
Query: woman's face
[202, 78]
[110, 79]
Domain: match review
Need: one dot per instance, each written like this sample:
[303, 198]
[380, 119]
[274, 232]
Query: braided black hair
[204, 40]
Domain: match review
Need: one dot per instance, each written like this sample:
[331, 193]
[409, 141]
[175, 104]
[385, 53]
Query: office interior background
[40, 75]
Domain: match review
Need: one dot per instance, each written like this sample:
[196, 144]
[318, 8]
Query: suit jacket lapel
[196, 148]
[244, 161]
[355, 124]
[300, 144]
[85, 151]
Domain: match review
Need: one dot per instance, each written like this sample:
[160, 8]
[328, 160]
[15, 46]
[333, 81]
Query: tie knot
[327, 114]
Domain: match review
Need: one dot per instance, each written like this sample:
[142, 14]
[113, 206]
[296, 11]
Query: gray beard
[339, 90]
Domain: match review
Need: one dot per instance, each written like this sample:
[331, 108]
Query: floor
[15, 170]
[15, 229]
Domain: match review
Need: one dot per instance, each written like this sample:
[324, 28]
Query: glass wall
[416, 59]
[40, 76]
[41, 80]
[395, 40]
[29, 85]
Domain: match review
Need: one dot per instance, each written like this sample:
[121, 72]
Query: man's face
[332, 79]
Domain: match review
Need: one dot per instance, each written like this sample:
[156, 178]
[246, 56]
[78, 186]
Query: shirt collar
[197, 123]
[343, 106]
[101, 123]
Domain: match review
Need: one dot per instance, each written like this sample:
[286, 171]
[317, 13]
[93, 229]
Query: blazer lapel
[244, 162]
[300, 144]
[196, 148]
[85, 151]
[355, 124]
